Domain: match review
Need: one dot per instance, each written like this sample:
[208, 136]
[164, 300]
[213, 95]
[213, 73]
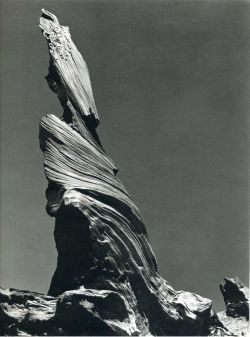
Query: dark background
[171, 84]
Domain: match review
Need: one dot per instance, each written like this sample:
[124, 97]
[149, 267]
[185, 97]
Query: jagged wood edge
[93, 181]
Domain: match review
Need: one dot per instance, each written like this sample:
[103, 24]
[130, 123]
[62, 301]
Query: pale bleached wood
[107, 280]
[94, 212]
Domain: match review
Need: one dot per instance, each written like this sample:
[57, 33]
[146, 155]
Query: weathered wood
[107, 279]
[69, 74]
[92, 203]
[236, 297]
[103, 312]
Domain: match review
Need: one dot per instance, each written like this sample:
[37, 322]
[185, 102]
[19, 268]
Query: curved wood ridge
[101, 240]
[107, 281]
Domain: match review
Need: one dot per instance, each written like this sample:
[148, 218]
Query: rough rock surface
[106, 281]
[104, 312]
[236, 298]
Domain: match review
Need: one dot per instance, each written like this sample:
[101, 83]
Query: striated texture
[101, 240]
[24, 312]
[106, 280]
[95, 312]
[82, 311]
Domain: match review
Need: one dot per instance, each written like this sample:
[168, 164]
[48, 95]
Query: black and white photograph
[124, 168]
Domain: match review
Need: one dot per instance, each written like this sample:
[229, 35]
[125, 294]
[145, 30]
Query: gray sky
[171, 85]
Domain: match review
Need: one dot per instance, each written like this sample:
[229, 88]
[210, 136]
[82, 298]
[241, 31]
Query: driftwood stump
[106, 281]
